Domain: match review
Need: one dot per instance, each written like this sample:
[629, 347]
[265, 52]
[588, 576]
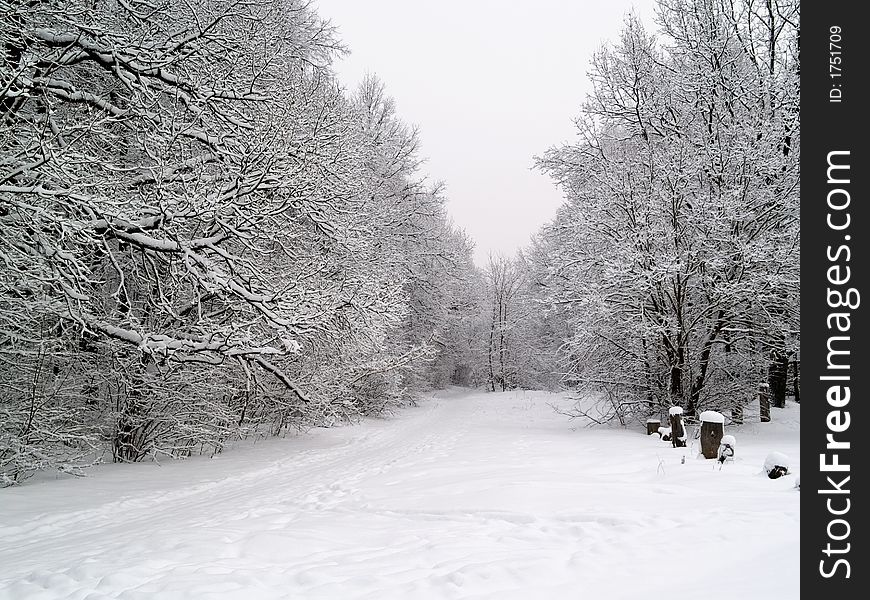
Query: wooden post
[678, 432]
[712, 430]
[764, 402]
[652, 426]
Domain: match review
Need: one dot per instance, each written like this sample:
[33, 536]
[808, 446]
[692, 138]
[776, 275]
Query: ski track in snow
[469, 495]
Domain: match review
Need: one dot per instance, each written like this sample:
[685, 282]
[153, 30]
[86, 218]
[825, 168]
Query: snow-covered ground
[470, 495]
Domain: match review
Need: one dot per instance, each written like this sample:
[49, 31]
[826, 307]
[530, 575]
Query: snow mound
[776, 465]
[728, 440]
[776, 459]
[711, 416]
[675, 410]
[651, 420]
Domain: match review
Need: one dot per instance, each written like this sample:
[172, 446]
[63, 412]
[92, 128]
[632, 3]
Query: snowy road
[467, 496]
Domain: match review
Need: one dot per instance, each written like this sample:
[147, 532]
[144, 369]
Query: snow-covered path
[470, 495]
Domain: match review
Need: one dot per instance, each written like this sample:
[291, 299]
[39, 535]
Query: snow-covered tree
[519, 339]
[203, 235]
[675, 256]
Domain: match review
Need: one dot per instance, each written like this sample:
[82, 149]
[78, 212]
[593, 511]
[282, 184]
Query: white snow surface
[675, 410]
[470, 495]
[728, 440]
[711, 416]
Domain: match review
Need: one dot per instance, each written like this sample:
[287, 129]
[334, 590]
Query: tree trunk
[132, 441]
[764, 402]
[491, 349]
[676, 386]
[650, 398]
[777, 372]
[797, 380]
[502, 315]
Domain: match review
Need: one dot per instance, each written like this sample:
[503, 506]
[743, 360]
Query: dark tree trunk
[777, 372]
[676, 386]
[132, 438]
[491, 349]
[796, 364]
[501, 343]
[764, 402]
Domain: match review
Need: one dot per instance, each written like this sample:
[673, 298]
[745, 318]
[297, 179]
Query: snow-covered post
[678, 432]
[712, 430]
[764, 402]
[652, 426]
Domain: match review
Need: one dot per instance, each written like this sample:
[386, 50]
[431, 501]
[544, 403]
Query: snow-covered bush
[727, 448]
[776, 464]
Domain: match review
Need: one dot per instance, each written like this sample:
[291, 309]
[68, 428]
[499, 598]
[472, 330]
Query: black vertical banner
[835, 226]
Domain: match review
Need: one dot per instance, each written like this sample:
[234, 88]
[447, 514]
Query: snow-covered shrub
[727, 447]
[49, 415]
[776, 465]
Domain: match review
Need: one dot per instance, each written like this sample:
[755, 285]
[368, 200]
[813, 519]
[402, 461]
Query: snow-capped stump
[678, 431]
[776, 465]
[652, 426]
[665, 432]
[726, 448]
[712, 430]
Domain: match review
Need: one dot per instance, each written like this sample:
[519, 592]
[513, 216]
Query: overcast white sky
[490, 84]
